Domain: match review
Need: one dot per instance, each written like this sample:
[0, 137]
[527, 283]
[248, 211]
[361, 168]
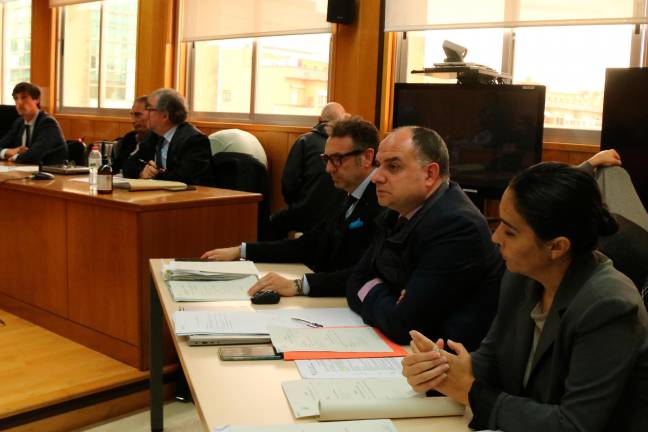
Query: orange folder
[396, 351]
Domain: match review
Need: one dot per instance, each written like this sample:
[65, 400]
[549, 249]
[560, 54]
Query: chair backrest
[620, 195]
[243, 172]
[628, 250]
[76, 152]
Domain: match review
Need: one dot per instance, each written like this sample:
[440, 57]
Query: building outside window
[97, 48]
[265, 61]
[15, 46]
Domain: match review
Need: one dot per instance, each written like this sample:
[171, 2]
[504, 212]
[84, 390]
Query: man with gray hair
[432, 266]
[306, 187]
[177, 151]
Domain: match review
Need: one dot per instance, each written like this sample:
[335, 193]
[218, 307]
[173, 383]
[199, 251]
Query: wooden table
[242, 392]
[77, 263]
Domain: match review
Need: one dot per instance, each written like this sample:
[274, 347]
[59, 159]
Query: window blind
[410, 15]
[227, 19]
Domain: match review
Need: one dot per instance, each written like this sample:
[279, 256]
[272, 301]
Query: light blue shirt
[168, 136]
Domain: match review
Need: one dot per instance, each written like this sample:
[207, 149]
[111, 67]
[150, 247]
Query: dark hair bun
[608, 224]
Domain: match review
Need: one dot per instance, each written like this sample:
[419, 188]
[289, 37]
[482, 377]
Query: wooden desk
[77, 263]
[228, 392]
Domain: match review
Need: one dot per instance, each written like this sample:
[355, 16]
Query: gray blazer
[590, 369]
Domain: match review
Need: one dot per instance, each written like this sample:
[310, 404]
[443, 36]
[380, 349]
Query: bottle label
[104, 183]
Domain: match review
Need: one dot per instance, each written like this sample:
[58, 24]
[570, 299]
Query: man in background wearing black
[35, 138]
[129, 142]
[306, 187]
[177, 151]
[334, 245]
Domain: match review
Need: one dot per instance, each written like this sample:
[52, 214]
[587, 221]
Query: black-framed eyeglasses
[337, 158]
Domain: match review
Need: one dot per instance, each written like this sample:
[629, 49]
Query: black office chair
[628, 250]
[240, 171]
[77, 152]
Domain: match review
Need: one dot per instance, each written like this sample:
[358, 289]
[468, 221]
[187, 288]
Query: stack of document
[200, 291]
[208, 270]
[346, 426]
[364, 399]
[148, 184]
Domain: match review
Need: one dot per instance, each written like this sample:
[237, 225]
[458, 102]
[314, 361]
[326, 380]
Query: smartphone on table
[248, 352]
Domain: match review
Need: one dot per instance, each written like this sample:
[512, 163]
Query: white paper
[334, 339]
[389, 367]
[238, 267]
[327, 317]
[22, 168]
[304, 396]
[345, 426]
[235, 289]
[217, 322]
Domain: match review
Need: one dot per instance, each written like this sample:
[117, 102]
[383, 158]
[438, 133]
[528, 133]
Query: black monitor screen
[8, 115]
[492, 131]
[625, 122]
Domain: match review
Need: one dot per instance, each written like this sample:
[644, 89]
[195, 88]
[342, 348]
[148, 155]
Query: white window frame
[251, 116]
[560, 135]
[60, 51]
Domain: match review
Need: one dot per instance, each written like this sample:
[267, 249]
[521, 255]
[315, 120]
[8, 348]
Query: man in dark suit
[305, 185]
[128, 143]
[432, 266]
[35, 137]
[333, 246]
[177, 151]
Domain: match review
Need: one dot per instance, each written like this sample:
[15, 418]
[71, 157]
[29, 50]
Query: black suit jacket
[590, 368]
[331, 248]
[445, 261]
[306, 186]
[47, 145]
[188, 158]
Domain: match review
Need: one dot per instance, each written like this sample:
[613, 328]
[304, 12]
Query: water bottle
[94, 162]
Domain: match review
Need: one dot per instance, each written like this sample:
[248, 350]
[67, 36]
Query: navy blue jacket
[445, 261]
[188, 158]
[46, 146]
[331, 248]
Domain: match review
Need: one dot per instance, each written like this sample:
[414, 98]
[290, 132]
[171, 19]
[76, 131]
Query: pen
[308, 323]
[149, 163]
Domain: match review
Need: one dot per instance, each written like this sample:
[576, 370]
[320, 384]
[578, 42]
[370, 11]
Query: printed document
[345, 426]
[363, 399]
[235, 289]
[219, 322]
[335, 339]
[389, 367]
[208, 270]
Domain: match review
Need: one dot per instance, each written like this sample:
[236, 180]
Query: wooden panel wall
[355, 61]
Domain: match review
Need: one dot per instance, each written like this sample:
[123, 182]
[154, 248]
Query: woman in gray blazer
[568, 349]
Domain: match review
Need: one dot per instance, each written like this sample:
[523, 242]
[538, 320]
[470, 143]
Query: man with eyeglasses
[305, 185]
[129, 142]
[334, 245]
[176, 151]
[432, 266]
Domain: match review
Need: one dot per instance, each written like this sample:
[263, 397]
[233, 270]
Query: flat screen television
[492, 131]
[625, 122]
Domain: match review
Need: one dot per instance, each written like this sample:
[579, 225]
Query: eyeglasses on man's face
[338, 158]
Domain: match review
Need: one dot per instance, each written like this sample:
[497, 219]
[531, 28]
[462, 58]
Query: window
[16, 45]
[255, 77]
[97, 55]
[564, 47]
[256, 60]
